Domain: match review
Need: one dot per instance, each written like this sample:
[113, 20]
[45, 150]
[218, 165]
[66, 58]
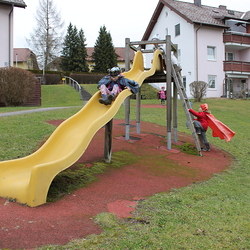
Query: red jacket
[201, 117]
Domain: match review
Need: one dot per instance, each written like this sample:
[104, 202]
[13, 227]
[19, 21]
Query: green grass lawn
[208, 215]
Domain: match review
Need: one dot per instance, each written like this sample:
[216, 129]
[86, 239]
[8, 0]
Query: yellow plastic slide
[27, 179]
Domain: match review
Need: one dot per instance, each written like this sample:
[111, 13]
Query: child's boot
[104, 99]
[207, 147]
[111, 98]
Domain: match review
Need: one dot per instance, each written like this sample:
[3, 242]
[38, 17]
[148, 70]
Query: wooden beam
[108, 141]
[169, 91]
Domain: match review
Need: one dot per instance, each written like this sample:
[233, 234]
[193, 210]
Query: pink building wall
[211, 37]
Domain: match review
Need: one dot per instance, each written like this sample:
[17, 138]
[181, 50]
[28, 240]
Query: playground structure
[174, 85]
[27, 180]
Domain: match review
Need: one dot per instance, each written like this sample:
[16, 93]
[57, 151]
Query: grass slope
[208, 215]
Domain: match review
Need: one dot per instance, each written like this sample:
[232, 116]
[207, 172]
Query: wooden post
[175, 103]
[127, 54]
[108, 141]
[169, 91]
[127, 118]
[175, 113]
[127, 100]
[138, 112]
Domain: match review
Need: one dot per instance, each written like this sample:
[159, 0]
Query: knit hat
[204, 107]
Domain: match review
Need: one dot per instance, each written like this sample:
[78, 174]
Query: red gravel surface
[116, 191]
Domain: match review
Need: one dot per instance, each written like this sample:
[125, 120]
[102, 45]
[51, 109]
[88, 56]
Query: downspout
[10, 47]
[196, 41]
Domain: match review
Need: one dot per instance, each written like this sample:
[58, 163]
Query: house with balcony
[213, 44]
[6, 30]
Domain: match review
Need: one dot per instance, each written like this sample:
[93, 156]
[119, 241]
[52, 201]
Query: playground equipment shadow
[117, 191]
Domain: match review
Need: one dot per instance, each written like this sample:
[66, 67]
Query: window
[237, 25]
[229, 56]
[177, 29]
[243, 84]
[211, 53]
[211, 82]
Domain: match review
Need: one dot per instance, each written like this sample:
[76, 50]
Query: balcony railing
[236, 38]
[237, 66]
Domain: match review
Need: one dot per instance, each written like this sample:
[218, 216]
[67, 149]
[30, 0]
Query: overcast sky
[122, 18]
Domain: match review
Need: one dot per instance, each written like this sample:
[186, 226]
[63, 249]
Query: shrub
[198, 90]
[16, 86]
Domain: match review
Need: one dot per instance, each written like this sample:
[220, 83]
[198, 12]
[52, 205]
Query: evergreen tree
[66, 61]
[83, 55]
[104, 55]
[74, 53]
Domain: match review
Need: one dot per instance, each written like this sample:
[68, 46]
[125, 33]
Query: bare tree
[198, 90]
[46, 39]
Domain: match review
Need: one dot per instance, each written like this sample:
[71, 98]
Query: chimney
[197, 3]
[222, 7]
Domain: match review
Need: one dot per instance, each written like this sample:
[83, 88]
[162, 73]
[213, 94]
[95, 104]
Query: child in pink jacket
[162, 95]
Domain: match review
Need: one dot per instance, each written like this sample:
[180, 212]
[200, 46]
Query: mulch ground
[116, 191]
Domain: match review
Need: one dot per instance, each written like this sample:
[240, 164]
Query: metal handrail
[73, 83]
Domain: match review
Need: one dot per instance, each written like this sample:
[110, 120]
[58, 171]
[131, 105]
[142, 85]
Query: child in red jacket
[201, 125]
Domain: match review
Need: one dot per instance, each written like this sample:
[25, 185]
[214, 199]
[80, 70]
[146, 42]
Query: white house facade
[6, 30]
[213, 44]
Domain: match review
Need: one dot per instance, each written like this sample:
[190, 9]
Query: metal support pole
[108, 141]
[169, 90]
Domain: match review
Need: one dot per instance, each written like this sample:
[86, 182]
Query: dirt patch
[117, 191]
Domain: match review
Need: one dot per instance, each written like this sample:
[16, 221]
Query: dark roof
[23, 54]
[192, 13]
[120, 51]
[17, 3]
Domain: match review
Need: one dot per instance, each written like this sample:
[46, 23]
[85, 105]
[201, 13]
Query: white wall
[5, 10]
[167, 20]
[191, 34]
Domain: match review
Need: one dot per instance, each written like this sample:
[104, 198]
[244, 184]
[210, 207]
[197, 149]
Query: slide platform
[27, 180]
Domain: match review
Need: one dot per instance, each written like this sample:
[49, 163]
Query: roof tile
[18, 3]
[22, 54]
[204, 14]
[120, 51]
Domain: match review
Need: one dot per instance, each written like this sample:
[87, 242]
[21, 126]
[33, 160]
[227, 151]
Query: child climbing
[201, 125]
[162, 95]
[113, 83]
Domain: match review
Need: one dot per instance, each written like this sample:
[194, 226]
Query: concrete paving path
[21, 112]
